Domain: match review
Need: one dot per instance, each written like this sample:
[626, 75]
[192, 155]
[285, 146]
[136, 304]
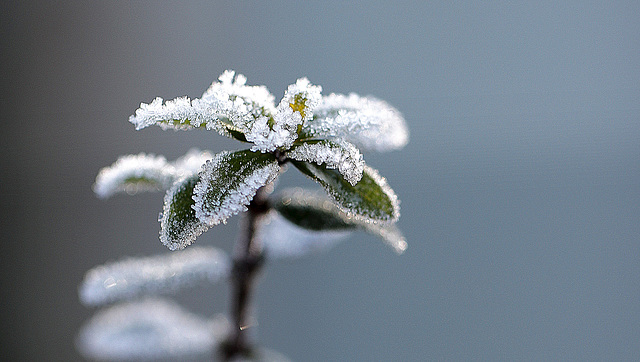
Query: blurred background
[520, 186]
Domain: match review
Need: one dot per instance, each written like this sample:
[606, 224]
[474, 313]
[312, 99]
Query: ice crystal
[337, 154]
[294, 109]
[367, 122]
[178, 113]
[282, 239]
[228, 183]
[134, 173]
[226, 105]
[237, 102]
[131, 277]
[149, 330]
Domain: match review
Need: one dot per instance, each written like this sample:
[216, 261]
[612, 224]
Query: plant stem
[246, 264]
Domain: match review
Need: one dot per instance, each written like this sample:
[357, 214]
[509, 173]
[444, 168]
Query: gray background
[520, 187]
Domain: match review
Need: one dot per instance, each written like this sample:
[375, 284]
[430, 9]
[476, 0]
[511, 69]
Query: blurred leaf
[151, 329]
[284, 239]
[134, 173]
[132, 277]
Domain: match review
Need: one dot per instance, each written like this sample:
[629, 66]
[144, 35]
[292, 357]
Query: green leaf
[370, 200]
[179, 226]
[229, 182]
[314, 212]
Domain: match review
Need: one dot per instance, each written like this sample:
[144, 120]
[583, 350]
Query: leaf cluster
[321, 136]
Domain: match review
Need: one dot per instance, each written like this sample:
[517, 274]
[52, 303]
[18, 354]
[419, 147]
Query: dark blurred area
[520, 186]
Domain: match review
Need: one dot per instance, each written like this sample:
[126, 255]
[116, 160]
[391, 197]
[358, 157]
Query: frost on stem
[367, 122]
[132, 277]
[337, 154]
[294, 109]
[229, 181]
[151, 329]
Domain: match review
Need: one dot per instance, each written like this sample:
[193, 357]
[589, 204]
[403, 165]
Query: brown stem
[246, 264]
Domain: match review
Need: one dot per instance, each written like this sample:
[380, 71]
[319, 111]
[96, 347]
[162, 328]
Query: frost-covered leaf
[283, 239]
[134, 173]
[228, 106]
[179, 226]
[367, 122]
[152, 329]
[132, 277]
[228, 183]
[146, 172]
[370, 200]
[336, 154]
[237, 104]
[314, 212]
[282, 129]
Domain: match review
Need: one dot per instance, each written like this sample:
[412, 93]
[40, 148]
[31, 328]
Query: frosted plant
[321, 136]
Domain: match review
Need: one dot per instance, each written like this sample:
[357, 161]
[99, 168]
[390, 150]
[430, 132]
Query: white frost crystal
[179, 113]
[294, 109]
[231, 105]
[237, 102]
[226, 103]
[228, 183]
[151, 329]
[131, 277]
[338, 154]
[134, 173]
[367, 122]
